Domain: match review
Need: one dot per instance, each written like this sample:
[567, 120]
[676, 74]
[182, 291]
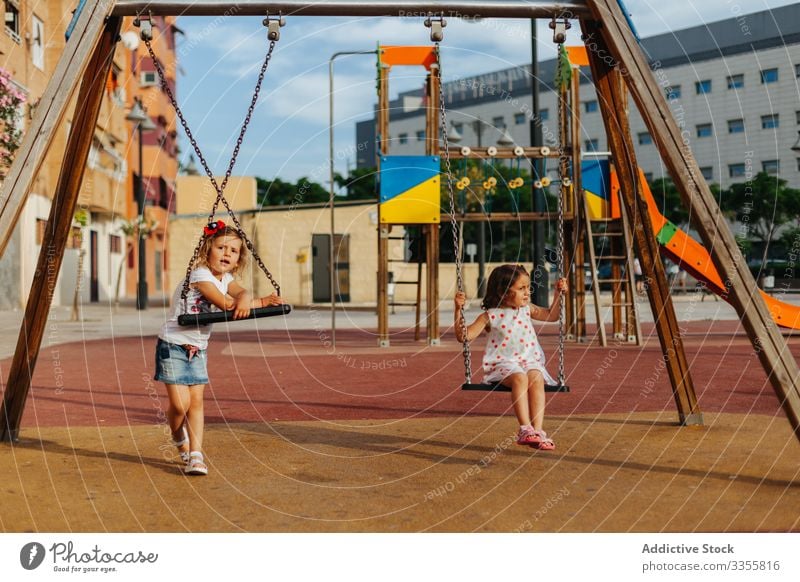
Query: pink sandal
[544, 443]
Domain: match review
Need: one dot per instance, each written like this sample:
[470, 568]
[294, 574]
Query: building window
[148, 79]
[705, 130]
[645, 138]
[769, 76]
[37, 43]
[544, 114]
[421, 135]
[797, 70]
[771, 167]
[590, 106]
[674, 92]
[403, 138]
[648, 176]
[770, 121]
[735, 81]
[707, 173]
[703, 87]
[115, 244]
[736, 126]
[12, 21]
[73, 242]
[797, 116]
[499, 122]
[591, 145]
[736, 170]
[519, 118]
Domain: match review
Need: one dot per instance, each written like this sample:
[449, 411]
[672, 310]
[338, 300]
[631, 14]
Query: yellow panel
[598, 207]
[419, 205]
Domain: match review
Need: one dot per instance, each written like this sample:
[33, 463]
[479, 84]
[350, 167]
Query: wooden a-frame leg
[608, 83]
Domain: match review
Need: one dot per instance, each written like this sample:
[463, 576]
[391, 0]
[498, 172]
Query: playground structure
[85, 64]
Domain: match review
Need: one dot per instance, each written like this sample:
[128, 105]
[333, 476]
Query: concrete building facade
[732, 86]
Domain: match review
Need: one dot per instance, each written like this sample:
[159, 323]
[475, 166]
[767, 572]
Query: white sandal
[184, 455]
[196, 466]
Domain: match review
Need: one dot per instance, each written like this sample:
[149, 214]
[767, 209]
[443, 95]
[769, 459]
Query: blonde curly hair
[208, 242]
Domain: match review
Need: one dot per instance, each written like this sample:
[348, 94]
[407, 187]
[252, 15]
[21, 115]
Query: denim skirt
[174, 367]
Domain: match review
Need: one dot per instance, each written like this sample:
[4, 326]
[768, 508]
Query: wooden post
[612, 106]
[432, 280]
[777, 360]
[575, 196]
[57, 231]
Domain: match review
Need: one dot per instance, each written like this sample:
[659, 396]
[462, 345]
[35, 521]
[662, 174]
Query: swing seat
[498, 387]
[223, 316]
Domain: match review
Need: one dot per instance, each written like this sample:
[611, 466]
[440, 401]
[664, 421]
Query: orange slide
[695, 260]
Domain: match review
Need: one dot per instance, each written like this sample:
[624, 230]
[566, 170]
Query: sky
[288, 137]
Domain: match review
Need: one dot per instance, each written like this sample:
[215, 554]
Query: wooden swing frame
[85, 63]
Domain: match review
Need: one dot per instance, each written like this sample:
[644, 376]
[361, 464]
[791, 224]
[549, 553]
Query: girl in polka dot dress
[513, 355]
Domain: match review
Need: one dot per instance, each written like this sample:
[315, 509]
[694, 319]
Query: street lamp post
[139, 116]
[331, 256]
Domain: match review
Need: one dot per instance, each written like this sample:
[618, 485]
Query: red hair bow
[213, 227]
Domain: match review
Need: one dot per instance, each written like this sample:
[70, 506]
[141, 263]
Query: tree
[761, 206]
[360, 184]
[669, 201]
[280, 193]
[10, 136]
[81, 218]
[130, 229]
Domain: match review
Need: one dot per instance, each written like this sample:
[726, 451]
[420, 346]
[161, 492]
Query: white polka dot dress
[512, 346]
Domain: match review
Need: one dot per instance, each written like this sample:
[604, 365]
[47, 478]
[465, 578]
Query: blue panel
[595, 178]
[400, 174]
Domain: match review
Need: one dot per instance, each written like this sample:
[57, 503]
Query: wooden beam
[403, 8]
[612, 102]
[432, 283]
[505, 217]
[503, 153]
[778, 362]
[49, 114]
[57, 231]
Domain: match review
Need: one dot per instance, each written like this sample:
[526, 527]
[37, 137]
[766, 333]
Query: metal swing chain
[562, 171]
[454, 223]
[218, 187]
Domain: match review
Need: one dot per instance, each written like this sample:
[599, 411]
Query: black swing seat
[498, 387]
[223, 316]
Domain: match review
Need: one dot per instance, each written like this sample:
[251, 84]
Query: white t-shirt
[195, 335]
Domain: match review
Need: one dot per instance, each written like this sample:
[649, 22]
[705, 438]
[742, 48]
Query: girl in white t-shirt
[181, 351]
[513, 355]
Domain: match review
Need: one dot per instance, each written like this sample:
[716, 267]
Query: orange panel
[407, 55]
[578, 57]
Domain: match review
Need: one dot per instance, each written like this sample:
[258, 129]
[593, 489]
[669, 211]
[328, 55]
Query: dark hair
[229, 232]
[500, 281]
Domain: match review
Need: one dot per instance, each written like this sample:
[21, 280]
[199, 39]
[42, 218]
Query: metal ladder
[418, 282]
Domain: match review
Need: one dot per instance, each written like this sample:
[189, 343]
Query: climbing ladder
[625, 320]
[420, 256]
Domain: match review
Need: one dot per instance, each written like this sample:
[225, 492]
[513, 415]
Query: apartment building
[732, 87]
[100, 257]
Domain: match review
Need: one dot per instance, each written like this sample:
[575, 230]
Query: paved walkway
[303, 438]
[102, 321]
